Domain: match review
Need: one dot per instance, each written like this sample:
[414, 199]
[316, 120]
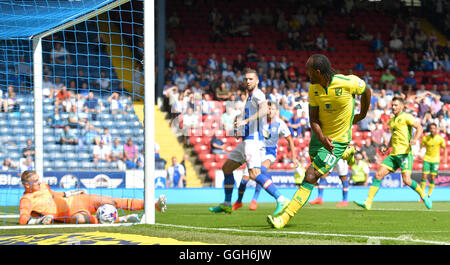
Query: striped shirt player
[252, 149]
[273, 130]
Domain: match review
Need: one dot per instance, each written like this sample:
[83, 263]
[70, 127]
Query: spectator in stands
[130, 152]
[239, 64]
[360, 171]
[282, 23]
[396, 44]
[228, 72]
[217, 146]
[427, 120]
[387, 79]
[61, 99]
[294, 125]
[436, 105]
[369, 151]
[446, 63]
[426, 63]
[10, 103]
[103, 82]
[364, 124]
[410, 81]
[116, 150]
[8, 165]
[275, 96]
[60, 55]
[227, 119]
[439, 76]
[93, 105]
[376, 44]
[28, 150]
[212, 63]
[73, 119]
[171, 46]
[379, 62]
[101, 152]
[68, 136]
[304, 122]
[364, 34]
[181, 81]
[222, 92]
[173, 21]
[321, 42]
[190, 63]
[90, 133]
[176, 174]
[171, 62]
[26, 164]
[190, 120]
[56, 121]
[115, 105]
[352, 32]
[106, 137]
[47, 87]
[251, 54]
[392, 64]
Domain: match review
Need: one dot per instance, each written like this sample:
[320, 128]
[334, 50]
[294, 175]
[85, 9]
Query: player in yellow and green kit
[401, 155]
[433, 143]
[331, 115]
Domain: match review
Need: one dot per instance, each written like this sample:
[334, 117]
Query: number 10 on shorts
[330, 159]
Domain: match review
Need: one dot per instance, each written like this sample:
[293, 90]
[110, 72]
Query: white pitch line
[400, 238]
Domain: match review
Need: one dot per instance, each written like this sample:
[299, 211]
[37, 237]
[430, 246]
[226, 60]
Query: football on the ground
[107, 214]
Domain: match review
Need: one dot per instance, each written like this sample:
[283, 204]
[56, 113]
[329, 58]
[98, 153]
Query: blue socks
[241, 190]
[228, 184]
[267, 184]
[321, 187]
[344, 190]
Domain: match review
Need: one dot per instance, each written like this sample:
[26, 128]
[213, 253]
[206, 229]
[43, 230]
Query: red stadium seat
[277, 166]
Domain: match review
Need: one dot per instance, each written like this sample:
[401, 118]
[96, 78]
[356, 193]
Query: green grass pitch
[388, 223]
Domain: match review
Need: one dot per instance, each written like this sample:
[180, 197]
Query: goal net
[72, 98]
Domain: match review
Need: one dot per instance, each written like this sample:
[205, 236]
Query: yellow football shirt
[401, 128]
[336, 105]
[433, 146]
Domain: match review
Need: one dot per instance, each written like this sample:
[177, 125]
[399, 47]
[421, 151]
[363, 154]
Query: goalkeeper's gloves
[74, 192]
[44, 220]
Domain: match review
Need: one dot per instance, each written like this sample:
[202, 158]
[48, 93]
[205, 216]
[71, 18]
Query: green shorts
[394, 162]
[321, 159]
[430, 168]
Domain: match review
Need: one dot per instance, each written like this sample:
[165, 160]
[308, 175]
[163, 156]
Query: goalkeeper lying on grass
[41, 205]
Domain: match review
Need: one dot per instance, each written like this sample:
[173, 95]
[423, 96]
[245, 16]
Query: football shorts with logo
[322, 159]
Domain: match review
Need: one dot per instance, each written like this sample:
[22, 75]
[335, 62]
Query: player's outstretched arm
[365, 104]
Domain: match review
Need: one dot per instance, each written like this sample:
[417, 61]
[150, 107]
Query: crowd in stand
[191, 86]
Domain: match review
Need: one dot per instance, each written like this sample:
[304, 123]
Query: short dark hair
[433, 123]
[320, 62]
[399, 99]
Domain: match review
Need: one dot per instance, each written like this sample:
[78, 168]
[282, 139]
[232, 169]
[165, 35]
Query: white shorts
[271, 158]
[250, 152]
[341, 167]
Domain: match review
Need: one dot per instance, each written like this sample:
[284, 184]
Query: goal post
[72, 49]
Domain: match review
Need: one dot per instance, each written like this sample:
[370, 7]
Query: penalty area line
[371, 238]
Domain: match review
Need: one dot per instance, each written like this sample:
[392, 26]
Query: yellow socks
[373, 189]
[301, 196]
[430, 188]
[417, 188]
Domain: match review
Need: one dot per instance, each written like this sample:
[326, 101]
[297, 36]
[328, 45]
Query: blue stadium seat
[60, 165]
[86, 165]
[84, 156]
[69, 148]
[72, 164]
